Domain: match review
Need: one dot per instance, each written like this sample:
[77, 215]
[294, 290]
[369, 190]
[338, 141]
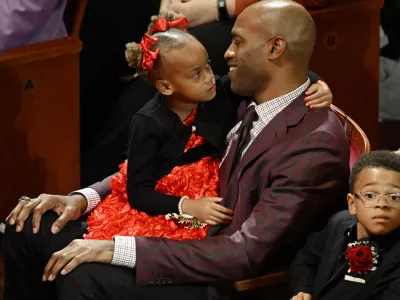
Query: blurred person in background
[25, 22]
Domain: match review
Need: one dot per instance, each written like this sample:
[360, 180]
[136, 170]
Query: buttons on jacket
[160, 280]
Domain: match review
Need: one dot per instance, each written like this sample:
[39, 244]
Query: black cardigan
[158, 139]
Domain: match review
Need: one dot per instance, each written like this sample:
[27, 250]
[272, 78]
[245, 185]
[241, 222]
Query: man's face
[247, 58]
[380, 216]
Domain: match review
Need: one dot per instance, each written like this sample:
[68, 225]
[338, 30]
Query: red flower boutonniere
[362, 257]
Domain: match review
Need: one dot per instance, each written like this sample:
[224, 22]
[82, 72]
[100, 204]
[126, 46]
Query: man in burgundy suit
[284, 172]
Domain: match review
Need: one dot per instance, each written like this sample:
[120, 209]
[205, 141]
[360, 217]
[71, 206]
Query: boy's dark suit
[320, 267]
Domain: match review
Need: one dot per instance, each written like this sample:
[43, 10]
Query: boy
[357, 255]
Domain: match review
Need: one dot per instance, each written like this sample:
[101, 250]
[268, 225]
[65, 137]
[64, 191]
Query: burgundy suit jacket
[290, 180]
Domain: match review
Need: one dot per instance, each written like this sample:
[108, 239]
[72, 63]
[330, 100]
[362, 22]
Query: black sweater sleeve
[314, 77]
[146, 141]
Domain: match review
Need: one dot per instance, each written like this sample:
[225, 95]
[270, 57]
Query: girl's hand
[207, 210]
[318, 95]
[301, 296]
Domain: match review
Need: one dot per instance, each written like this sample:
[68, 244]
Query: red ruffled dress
[114, 215]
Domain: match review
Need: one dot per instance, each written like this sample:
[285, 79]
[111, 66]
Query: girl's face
[187, 73]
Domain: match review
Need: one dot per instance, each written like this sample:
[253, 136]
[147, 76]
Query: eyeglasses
[372, 198]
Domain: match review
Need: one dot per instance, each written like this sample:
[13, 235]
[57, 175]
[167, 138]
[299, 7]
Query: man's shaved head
[272, 40]
[287, 19]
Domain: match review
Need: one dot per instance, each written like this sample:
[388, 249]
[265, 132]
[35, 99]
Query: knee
[79, 284]
[11, 234]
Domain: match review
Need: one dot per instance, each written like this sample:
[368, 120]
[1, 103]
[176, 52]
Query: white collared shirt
[266, 112]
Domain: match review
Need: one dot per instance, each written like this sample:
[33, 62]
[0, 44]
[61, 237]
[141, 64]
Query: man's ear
[351, 202]
[164, 87]
[276, 47]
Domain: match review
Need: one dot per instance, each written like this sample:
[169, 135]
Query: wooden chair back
[358, 140]
[40, 128]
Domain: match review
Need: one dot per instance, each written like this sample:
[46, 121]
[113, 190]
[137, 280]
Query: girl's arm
[146, 140]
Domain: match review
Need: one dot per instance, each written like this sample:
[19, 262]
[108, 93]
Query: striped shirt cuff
[124, 251]
[92, 197]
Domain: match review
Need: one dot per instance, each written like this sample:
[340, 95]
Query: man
[24, 22]
[282, 178]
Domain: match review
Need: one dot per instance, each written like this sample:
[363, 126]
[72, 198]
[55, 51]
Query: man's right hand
[67, 207]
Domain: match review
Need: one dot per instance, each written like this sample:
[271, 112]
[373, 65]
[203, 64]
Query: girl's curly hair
[167, 41]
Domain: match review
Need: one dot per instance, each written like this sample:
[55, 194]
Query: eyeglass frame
[387, 201]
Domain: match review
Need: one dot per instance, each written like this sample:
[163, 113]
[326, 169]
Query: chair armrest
[262, 281]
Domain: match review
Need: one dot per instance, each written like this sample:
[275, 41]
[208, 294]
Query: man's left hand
[76, 253]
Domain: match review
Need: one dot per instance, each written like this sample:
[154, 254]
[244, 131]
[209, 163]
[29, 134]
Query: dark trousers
[26, 255]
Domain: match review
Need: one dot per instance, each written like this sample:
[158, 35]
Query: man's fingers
[58, 261]
[47, 273]
[68, 214]
[76, 261]
[24, 214]
[38, 212]
[15, 212]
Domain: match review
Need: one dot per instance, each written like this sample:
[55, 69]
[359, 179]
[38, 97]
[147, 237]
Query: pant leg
[26, 254]
[95, 281]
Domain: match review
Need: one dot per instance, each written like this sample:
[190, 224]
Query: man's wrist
[81, 200]
[124, 254]
[92, 198]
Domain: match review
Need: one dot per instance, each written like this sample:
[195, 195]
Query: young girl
[176, 141]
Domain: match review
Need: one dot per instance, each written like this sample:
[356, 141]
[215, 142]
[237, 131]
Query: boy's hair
[376, 159]
[167, 41]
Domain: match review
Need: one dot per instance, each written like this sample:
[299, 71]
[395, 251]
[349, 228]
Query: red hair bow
[163, 25]
[148, 56]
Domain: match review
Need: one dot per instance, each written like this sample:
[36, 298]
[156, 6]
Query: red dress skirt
[114, 215]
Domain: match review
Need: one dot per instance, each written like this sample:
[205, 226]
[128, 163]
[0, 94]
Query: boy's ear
[351, 202]
[164, 87]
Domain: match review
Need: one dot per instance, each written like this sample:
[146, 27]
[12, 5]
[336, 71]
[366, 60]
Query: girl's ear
[164, 87]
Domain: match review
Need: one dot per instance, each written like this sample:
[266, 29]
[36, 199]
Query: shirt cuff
[92, 197]
[124, 251]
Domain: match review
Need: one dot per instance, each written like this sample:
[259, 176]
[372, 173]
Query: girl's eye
[197, 75]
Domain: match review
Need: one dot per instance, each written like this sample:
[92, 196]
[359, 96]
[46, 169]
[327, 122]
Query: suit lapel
[275, 129]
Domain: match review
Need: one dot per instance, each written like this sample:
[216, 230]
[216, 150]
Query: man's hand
[301, 296]
[67, 207]
[76, 253]
[207, 210]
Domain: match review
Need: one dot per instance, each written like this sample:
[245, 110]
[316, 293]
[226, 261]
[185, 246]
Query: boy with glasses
[357, 255]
